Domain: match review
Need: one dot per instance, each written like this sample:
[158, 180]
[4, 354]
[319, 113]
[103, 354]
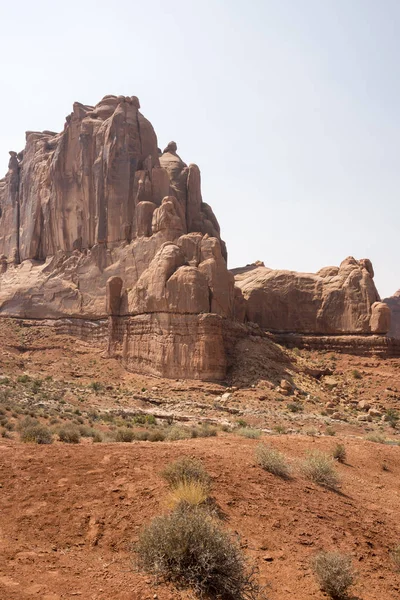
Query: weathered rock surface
[95, 221]
[335, 300]
[394, 304]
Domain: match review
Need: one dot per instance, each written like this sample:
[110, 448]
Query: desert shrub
[294, 407]
[395, 555]
[392, 417]
[188, 548]
[142, 435]
[319, 467]
[23, 379]
[96, 386]
[339, 453]
[377, 438]
[249, 432]
[69, 434]
[40, 434]
[185, 470]
[97, 436]
[273, 461]
[334, 573]
[86, 431]
[188, 494]
[156, 435]
[241, 423]
[177, 433]
[330, 431]
[124, 435]
[356, 374]
[279, 429]
[204, 431]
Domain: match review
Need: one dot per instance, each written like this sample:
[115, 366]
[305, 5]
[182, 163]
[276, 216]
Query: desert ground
[71, 513]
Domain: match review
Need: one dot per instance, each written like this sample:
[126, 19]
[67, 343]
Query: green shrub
[184, 470]
[273, 461]
[248, 432]
[40, 434]
[189, 549]
[339, 453]
[334, 573]
[69, 434]
[319, 467]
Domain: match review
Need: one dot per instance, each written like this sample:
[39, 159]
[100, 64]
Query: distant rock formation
[335, 300]
[394, 304]
[105, 233]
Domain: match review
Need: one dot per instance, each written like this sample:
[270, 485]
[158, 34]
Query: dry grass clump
[176, 432]
[188, 494]
[273, 461]
[124, 435]
[248, 432]
[319, 467]
[339, 453]
[395, 555]
[186, 470]
[334, 573]
[188, 548]
[377, 438]
[69, 434]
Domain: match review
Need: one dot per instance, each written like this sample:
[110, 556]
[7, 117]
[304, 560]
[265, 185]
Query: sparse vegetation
[189, 549]
[392, 417]
[334, 573]
[35, 432]
[377, 438]
[339, 453]
[273, 461]
[69, 434]
[294, 407]
[188, 494]
[319, 468]
[185, 470]
[356, 374]
[395, 556]
[124, 435]
[248, 432]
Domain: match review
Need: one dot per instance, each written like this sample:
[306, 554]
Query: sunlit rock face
[394, 304]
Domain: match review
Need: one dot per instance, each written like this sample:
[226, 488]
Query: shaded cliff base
[70, 513]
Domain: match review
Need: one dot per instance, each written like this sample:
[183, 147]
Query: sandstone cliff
[335, 300]
[394, 304]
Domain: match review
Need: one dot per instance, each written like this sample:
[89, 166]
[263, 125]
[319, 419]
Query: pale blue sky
[289, 107]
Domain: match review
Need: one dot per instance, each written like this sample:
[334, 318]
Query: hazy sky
[289, 107]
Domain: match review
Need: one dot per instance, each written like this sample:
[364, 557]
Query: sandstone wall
[394, 304]
[335, 300]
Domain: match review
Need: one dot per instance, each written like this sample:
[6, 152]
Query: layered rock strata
[335, 300]
[97, 222]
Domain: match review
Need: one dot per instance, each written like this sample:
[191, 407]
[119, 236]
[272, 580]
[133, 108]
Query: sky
[290, 108]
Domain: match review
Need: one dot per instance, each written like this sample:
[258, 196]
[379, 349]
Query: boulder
[394, 304]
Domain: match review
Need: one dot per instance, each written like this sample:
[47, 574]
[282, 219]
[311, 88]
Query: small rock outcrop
[336, 300]
[394, 305]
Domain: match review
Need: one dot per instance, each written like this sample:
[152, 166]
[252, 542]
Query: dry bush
[185, 470]
[319, 467]
[176, 432]
[395, 555]
[273, 461]
[249, 432]
[156, 435]
[339, 453]
[188, 494]
[97, 436]
[40, 434]
[334, 573]
[204, 431]
[124, 435]
[69, 434]
[189, 549]
[377, 438]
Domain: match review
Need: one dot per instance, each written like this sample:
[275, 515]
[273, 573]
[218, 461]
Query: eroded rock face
[335, 300]
[394, 304]
[95, 221]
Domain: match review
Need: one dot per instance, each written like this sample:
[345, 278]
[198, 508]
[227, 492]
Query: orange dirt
[70, 514]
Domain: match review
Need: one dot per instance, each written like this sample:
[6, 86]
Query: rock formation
[100, 203]
[102, 232]
[394, 304]
[335, 300]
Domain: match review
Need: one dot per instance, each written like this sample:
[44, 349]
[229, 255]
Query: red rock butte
[104, 235]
